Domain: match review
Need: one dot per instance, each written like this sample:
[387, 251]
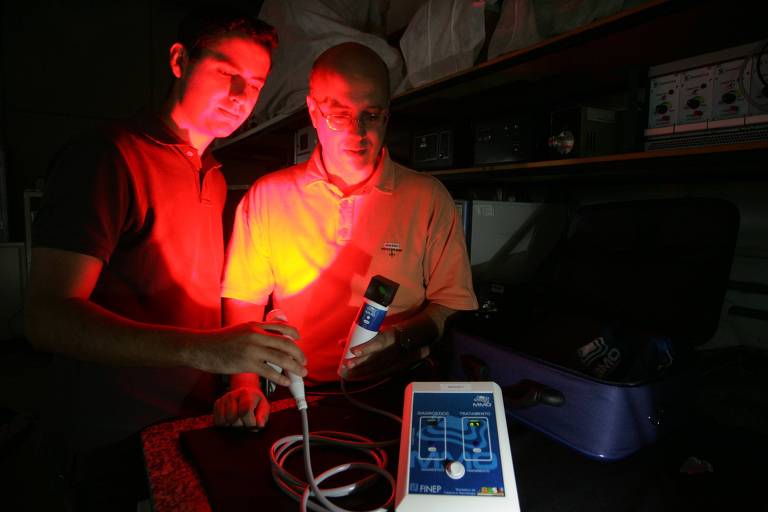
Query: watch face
[402, 339]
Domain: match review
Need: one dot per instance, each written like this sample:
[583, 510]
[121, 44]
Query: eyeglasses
[341, 122]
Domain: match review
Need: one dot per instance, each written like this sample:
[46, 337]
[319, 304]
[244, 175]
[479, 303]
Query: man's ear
[311, 108]
[179, 59]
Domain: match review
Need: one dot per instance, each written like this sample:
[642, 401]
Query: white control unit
[454, 450]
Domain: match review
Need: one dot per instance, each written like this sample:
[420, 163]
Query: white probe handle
[296, 386]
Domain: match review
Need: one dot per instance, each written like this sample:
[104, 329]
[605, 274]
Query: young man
[128, 252]
[314, 234]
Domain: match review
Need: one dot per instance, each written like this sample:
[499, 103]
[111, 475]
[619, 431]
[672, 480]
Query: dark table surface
[188, 475]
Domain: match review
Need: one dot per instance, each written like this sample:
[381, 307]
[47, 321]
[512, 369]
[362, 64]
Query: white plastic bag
[305, 29]
[443, 37]
[525, 22]
[557, 16]
[515, 29]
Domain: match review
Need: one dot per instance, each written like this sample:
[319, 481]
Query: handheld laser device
[454, 450]
[378, 296]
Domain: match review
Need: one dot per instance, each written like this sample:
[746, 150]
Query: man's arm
[237, 312]
[244, 405]
[59, 317]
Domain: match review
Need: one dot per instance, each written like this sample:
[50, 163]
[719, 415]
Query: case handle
[475, 368]
[527, 393]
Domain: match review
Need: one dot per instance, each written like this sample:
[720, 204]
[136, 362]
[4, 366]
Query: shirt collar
[153, 127]
[383, 176]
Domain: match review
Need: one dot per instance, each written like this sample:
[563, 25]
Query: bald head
[351, 62]
[348, 104]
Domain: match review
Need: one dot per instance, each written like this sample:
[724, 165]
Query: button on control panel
[455, 469]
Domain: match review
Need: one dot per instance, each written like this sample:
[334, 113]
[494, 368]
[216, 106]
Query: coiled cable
[301, 491]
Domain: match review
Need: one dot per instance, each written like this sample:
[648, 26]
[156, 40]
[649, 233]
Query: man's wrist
[243, 380]
[415, 333]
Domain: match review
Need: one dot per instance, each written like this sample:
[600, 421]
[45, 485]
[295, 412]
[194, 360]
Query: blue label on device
[455, 428]
[370, 317]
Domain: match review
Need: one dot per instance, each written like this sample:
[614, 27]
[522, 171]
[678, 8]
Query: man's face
[353, 148]
[219, 88]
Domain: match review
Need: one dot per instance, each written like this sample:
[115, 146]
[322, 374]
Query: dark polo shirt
[145, 203]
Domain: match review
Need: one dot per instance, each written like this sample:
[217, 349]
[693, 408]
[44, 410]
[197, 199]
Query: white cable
[301, 491]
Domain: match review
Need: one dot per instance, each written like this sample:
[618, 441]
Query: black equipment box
[433, 148]
[502, 140]
[582, 132]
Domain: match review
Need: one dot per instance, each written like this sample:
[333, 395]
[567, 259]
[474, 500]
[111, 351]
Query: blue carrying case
[596, 358]
[601, 419]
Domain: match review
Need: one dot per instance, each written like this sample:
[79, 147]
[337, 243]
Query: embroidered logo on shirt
[392, 247]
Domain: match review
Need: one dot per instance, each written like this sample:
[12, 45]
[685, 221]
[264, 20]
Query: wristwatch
[403, 339]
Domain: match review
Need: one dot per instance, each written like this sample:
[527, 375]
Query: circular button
[454, 469]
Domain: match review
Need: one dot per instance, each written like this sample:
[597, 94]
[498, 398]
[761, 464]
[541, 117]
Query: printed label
[729, 101]
[695, 96]
[663, 101]
[370, 317]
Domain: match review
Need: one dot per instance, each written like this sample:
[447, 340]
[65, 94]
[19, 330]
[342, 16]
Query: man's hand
[380, 357]
[242, 407]
[384, 355]
[248, 347]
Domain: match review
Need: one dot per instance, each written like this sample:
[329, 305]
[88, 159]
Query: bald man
[314, 234]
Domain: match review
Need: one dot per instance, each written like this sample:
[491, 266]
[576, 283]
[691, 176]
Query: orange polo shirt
[296, 236]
